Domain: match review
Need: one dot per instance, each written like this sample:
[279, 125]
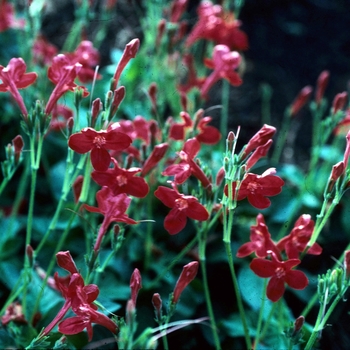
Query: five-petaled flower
[78, 297]
[98, 142]
[14, 77]
[121, 180]
[256, 188]
[182, 207]
[224, 63]
[298, 239]
[260, 241]
[280, 272]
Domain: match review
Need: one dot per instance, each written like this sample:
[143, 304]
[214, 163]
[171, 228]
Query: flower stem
[261, 312]
[225, 105]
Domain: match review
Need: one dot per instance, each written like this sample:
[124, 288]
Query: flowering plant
[126, 176]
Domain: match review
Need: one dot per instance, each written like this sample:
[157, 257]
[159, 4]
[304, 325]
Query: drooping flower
[14, 77]
[98, 142]
[187, 166]
[256, 188]
[188, 274]
[297, 240]
[279, 272]
[182, 207]
[121, 180]
[113, 208]
[260, 241]
[224, 64]
[62, 73]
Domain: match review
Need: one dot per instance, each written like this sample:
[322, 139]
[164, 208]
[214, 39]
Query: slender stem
[261, 313]
[225, 106]
[282, 137]
[202, 258]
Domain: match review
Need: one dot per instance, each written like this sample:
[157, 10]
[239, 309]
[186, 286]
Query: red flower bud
[301, 100]
[339, 102]
[188, 273]
[322, 83]
[157, 304]
[135, 285]
[77, 186]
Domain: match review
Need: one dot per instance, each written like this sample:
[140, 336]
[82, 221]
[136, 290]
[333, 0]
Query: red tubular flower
[113, 208]
[182, 207]
[188, 274]
[130, 52]
[14, 77]
[260, 241]
[339, 101]
[187, 166]
[257, 187]
[297, 240]
[135, 285]
[219, 26]
[178, 7]
[80, 299]
[260, 152]
[224, 63]
[121, 180]
[154, 158]
[62, 73]
[347, 263]
[280, 272]
[259, 139]
[301, 100]
[98, 142]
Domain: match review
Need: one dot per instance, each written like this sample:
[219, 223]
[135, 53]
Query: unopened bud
[183, 101]
[118, 97]
[30, 254]
[322, 83]
[347, 263]
[95, 110]
[339, 102]
[77, 186]
[220, 176]
[135, 285]
[160, 32]
[70, 126]
[188, 274]
[301, 100]
[230, 141]
[157, 304]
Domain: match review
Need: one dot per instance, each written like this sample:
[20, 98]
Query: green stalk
[282, 137]
[202, 259]
[225, 99]
[261, 312]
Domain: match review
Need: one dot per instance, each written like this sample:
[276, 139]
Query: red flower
[187, 166]
[224, 63]
[188, 274]
[154, 158]
[59, 117]
[98, 142]
[7, 19]
[182, 207]
[299, 237]
[80, 299]
[259, 139]
[43, 50]
[13, 78]
[257, 187]
[62, 73]
[219, 26]
[207, 134]
[121, 180]
[260, 151]
[280, 272]
[260, 241]
[113, 208]
[192, 80]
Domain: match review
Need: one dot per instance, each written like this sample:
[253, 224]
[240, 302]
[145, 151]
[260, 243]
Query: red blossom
[187, 166]
[260, 241]
[59, 117]
[14, 77]
[182, 207]
[260, 152]
[259, 139]
[192, 80]
[297, 240]
[208, 134]
[7, 18]
[280, 272]
[121, 180]
[43, 50]
[219, 26]
[178, 7]
[78, 297]
[14, 312]
[113, 208]
[98, 142]
[188, 274]
[62, 73]
[257, 187]
[224, 63]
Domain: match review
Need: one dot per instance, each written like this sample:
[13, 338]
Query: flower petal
[275, 288]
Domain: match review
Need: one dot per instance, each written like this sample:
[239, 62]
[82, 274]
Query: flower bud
[157, 154]
[220, 176]
[30, 254]
[157, 304]
[96, 108]
[347, 263]
[18, 144]
[188, 273]
[259, 152]
[322, 83]
[118, 97]
[339, 102]
[135, 285]
[77, 187]
[65, 260]
[301, 100]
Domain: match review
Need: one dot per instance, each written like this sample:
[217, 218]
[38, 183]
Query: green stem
[261, 313]
[317, 116]
[225, 95]
[202, 258]
[282, 137]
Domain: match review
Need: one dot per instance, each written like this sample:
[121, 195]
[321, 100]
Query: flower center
[181, 203]
[99, 141]
[121, 180]
[253, 186]
[280, 273]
